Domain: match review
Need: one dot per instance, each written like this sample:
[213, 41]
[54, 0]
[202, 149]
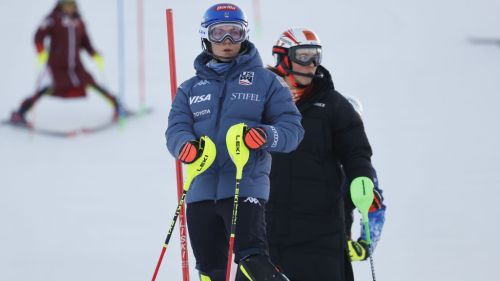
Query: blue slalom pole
[121, 55]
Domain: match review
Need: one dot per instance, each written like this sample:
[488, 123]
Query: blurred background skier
[67, 78]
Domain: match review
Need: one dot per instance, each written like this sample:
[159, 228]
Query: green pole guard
[202, 163]
[362, 197]
[237, 149]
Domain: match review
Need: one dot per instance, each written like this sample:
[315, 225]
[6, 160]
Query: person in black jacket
[305, 211]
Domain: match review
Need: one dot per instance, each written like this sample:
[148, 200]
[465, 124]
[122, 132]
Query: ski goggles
[305, 55]
[217, 33]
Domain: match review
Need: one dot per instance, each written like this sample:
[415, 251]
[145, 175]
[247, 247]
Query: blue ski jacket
[210, 103]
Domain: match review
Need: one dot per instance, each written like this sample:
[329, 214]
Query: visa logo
[197, 99]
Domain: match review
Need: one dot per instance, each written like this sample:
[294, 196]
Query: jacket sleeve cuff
[179, 145]
[272, 136]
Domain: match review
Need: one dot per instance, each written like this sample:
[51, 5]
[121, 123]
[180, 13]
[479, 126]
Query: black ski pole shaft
[193, 170]
[372, 265]
[239, 155]
[170, 230]
[233, 229]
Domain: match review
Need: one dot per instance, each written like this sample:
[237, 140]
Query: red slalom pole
[178, 166]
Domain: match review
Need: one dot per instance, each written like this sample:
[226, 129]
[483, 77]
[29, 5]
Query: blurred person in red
[65, 29]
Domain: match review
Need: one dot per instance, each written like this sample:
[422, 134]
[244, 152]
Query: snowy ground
[98, 207]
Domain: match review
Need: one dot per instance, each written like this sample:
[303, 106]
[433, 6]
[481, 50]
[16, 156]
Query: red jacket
[67, 36]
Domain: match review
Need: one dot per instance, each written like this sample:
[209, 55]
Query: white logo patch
[276, 137]
[201, 113]
[245, 96]
[319, 104]
[246, 78]
[252, 200]
[197, 99]
[201, 83]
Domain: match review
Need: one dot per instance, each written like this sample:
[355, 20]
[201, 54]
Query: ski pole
[362, 197]
[485, 41]
[239, 155]
[38, 87]
[194, 169]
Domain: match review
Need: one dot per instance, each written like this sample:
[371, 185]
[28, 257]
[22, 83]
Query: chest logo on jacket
[201, 98]
[201, 113]
[245, 96]
[202, 83]
[246, 78]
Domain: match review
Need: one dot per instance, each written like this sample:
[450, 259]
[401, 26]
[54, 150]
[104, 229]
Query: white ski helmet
[356, 104]
[296, 37]
[291, 40]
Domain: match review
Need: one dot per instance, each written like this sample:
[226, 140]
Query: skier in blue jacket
[231, 86]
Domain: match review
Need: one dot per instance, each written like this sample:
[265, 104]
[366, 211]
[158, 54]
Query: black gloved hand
[255, 138]
[358, 250]
[190, 151]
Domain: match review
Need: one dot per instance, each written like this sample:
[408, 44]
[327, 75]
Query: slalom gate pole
[257, 17]
[38, 83]
[178, 166]
[239, 154]
[121, 57]
[140, 55]
[194, 169]
[485, 41]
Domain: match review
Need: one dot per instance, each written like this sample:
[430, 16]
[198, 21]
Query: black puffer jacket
[305, 200]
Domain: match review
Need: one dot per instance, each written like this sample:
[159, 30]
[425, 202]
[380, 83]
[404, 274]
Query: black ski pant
[29, 102]
[209, 225]
[324, 259]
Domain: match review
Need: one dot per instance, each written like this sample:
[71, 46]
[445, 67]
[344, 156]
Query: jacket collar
[244, 61]
[320, 88]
